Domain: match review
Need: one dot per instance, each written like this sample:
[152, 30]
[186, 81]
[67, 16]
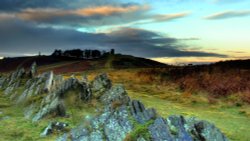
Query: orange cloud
[43, 14]
[109, 10]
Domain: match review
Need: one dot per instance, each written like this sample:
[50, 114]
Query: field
[230, 111]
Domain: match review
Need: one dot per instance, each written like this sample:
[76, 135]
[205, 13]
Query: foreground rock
[119, 119]
[54, 127]
[129, 120]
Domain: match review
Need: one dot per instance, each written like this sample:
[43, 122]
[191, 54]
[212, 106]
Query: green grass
[228, 118]
[167, 99]
[14, 127]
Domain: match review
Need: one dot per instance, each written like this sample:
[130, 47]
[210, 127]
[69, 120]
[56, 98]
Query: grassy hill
[71, 64]
[218, 92]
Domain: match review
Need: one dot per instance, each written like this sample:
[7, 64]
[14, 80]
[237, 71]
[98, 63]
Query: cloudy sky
[171, 31]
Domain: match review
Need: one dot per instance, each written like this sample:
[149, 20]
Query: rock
[79, 133]
[116, 95]
[29, 111]
[159, 131]
[63, 138]
[140, 139]
[118, 124]
[33, 70]
[100, 84]
[52, 127]
[205, 131]
[96, 136]
[141, 114]
[86, 93]
[49, 82]
[177, 128]
[56, 107]
[19, 73]
[112, 126]
[2, 81]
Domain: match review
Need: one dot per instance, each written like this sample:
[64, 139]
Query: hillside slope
[70, 64]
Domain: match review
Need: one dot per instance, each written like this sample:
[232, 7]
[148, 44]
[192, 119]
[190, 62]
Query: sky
[169, 31]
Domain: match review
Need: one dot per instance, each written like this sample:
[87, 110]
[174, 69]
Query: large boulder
[50, 105]
[160, 131]
[112, 126]
[100, 84]
[204, 131]
[115, 96]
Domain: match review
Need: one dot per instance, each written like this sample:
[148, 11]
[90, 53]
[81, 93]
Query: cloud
[21, 37]
[168, 17]
[88, 17]
[109, 10]
[83, 13]
[228, 14]
[17, 5]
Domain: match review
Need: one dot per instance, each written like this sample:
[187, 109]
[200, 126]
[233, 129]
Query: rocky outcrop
[115, 95]
[100, 84]
[120, 118]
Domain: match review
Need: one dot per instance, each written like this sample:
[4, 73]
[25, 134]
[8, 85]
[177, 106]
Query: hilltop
[64, 64]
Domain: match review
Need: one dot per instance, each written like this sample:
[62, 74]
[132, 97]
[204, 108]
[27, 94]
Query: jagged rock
[96, 136]
[159, 130]
[86, 93]
[49, 81]
[100, 84]
[29, 111]
[79, 133]
[63, 138]
[33, 70]
[140, 139]
[53, 126]
[2, 81]
[66, 85]
[50, 106]
[8, 90]
[112, 126]
[205, 131]
[141, 114]
[12, 87]
[115, 95]
[177, 128]
[15, 76]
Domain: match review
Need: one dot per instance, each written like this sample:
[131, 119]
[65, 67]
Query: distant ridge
[116, 61]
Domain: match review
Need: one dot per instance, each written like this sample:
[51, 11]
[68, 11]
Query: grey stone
[33, 70]
[53, 126]
[141, 114]
[177, 128]
[115, 94]
[100, 84]
[49, 82]
[159, 130]
[205, 131]
[56, 106]
[96, 136]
